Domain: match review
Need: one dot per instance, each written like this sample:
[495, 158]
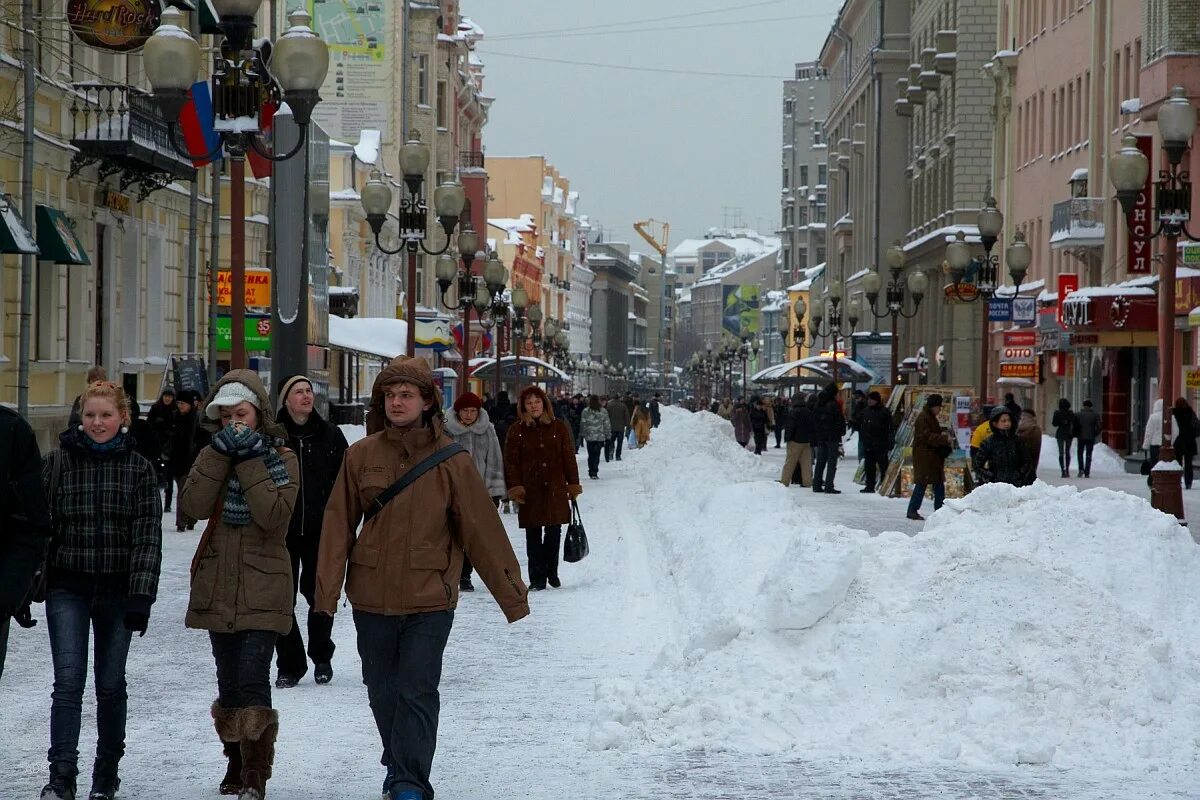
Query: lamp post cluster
[1130, 170]
[987, 276]
[449, 200]
[487, 299]
[703, 373]
[895, 298]
[826, 318]
[242, 85]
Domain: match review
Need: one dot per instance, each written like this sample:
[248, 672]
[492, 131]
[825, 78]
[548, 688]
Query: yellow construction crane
[657, 235]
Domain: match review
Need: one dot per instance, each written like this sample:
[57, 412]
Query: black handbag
[575, 546]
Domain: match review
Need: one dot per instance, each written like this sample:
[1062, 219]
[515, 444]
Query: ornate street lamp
[834, 328]
[242, 84]
[918, 284]
[449, 200]
[1129, 169]
[447, 272]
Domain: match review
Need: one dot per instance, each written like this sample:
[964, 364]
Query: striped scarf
[236, 512]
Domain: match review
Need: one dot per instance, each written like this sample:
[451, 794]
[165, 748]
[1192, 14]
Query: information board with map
[357, 91]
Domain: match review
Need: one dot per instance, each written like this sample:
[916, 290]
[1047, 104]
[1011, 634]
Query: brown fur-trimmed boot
[225, 721]
[259, 726]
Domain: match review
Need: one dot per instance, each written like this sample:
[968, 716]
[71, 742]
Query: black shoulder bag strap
[407, 478]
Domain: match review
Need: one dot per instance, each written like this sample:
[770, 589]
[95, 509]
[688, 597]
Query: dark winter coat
[107, 520]
[503, 414]
[1186, 430]
[145, 441]
[1015, 408]
[618, 416]
[539, 462]
[758, 420]
[162, 421]
[1001, 457]
[319, 446]
[875, 428]
[742, 430]
[1089, 424]
[24, 516]
[928, 448]
[781, 415]
[1064, 424]
[187, 440]
[800, 426]
[242, 574]
[655, 414]
[829, 423]
[1030, 434]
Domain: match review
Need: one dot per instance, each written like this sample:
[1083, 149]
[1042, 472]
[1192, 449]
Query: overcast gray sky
[689, 149]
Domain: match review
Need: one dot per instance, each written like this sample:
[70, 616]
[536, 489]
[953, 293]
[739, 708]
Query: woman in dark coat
[542, 477]
[186, 440]
[1001, 457]
[931, 445]
[759, 422]
[1186, 430]
[1064, 433]
[742, 429]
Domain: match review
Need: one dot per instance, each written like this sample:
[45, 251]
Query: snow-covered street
[730, 638]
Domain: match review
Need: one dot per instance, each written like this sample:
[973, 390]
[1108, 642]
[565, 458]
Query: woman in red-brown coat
[543, 478]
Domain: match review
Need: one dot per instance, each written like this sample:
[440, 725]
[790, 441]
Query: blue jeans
[402, 668]
[70, 617]
[918, 495]
[243, 667]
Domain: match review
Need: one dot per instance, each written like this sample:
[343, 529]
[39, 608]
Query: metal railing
[1079, 217]
[470, 159]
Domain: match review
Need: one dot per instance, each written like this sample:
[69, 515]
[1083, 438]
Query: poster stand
[186, 371]
[959, 409]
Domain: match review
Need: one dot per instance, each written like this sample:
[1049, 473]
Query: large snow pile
[1106, 462]
[1037, 625]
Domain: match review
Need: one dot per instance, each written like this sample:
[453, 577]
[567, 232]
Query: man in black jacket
[319, 446]
[25, 529]
[1088, 422]
[799, 442]
[875, 438]
[655, 410]
[830, 428]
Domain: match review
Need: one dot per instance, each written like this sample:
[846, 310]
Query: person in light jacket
[471, 427]
[594, 429]
[245, 483]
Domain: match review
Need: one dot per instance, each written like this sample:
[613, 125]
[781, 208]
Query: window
[820, 256]
[443, 113]
[789, 106]
[818, 134]
[786, 176]
[802, 216]
[822, 175]
[423, 80]
[804, 174]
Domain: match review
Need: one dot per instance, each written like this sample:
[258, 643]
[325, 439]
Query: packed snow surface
[1043, 625]
[1106, 462]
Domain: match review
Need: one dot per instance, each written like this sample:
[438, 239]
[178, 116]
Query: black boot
[61, 785]
[104, 781]
[550, 548]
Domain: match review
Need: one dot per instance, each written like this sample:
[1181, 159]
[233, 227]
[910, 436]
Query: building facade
[805, 170]
[612, 300]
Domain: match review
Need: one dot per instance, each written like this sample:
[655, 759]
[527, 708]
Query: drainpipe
[29, 45]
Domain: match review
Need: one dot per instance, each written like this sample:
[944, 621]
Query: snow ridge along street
[724, 640]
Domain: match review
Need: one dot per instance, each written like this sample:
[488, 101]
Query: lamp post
[918, 284]
[242, 85]
[447, 272]
[520, 301]
[449, 199]
[831, 326]
[1129, 169]
[958, 258]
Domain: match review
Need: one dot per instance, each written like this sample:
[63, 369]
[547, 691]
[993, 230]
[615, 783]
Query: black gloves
[136, 622]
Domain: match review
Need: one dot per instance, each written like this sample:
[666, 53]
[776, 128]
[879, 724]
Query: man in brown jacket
[930, 447]
[405, 565]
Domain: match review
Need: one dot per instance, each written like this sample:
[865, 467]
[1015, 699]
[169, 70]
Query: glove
[239, 443]
[574, 490]
[24, 617]
[136, 622]
[517, 494]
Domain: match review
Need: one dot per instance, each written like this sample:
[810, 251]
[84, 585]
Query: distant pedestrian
[779, 408]
[800, 433]
[742, 428]
[542, 476]
[640, 422]
[1000, 459]
[1030, 433]
[618, 418]
[759, 423]
[725, 409]
[596, 431]
[162, 416]
[1186, 430]
[1014, 408]
[1065, 428]
[930, 448]
[319, 447]
[857, 406]
[1089, 434]
[829, 428]
[470, 426]
[655, 410]
[186, 442]
[1152, 439]
[875, 436]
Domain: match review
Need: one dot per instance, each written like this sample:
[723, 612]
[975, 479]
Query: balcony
[1078, 225]
[121, 129]
[470, 159]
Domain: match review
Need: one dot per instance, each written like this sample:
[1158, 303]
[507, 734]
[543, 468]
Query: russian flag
[196, 120]
[261, 167]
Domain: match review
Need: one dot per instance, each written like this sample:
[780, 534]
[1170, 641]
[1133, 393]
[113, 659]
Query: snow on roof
[811, 274]
[513, 228]
[1080, 174]
[947, 234]
[1006, 291]
[572, 202]
[379, 336]
[744, 241]
[722, 271]
[1131, 106]
[367, 149]
[345, 194]
[342, 290]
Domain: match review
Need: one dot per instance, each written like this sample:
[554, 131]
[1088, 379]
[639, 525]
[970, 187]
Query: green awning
[56, 238]
[14, 236]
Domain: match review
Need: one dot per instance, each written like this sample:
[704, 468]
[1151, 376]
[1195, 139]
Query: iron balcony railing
[1078, 222]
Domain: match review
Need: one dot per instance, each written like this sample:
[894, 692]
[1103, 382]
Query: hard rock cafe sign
[119, 26]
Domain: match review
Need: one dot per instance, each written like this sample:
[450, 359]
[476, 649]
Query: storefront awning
[14, 236]
[56, 238]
